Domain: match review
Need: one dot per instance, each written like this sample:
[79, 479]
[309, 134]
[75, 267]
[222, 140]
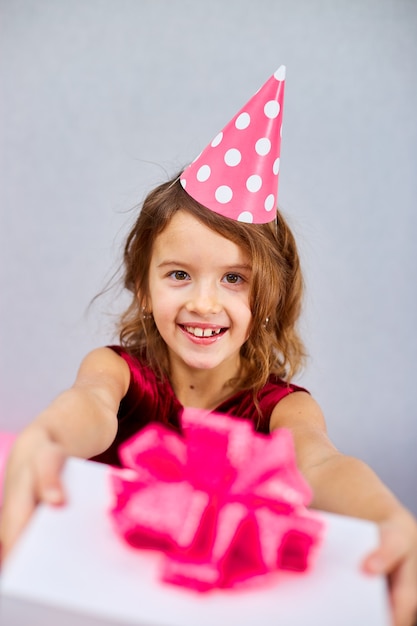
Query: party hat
[236, 175]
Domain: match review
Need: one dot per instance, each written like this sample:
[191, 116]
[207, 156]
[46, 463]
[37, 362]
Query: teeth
[202, 332]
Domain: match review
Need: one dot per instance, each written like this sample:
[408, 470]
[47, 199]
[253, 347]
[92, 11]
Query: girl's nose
[204, 300]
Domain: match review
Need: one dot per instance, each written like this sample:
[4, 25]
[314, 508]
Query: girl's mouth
[197, 331]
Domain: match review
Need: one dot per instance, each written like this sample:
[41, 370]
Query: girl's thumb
[50, 486]
[391, 551]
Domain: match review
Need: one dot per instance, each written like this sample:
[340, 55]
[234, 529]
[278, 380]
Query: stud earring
[266, 322]
[145, 314]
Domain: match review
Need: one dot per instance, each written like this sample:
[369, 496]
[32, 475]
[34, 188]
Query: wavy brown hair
[276, 288]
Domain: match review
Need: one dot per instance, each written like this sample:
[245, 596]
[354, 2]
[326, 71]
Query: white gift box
[71, 568]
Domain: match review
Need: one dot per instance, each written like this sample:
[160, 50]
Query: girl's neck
[203, 389]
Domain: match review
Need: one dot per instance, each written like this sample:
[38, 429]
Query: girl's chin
[200, 365]
[229, 366]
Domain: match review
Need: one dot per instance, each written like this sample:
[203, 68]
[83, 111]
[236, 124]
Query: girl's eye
[179, 275]
[233, 279]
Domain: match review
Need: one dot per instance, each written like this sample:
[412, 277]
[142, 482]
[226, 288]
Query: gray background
[101, 99]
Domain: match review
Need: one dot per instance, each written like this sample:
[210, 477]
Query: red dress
[150, 399]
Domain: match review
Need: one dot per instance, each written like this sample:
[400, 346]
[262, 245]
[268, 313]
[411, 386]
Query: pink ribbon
[222, 502]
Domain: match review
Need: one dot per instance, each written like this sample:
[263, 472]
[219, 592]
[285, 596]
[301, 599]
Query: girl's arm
[345, 485]
[81, 421]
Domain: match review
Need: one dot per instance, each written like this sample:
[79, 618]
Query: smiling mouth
[196, 331]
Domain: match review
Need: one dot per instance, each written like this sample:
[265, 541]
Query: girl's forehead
[185, 234]
[184, 223]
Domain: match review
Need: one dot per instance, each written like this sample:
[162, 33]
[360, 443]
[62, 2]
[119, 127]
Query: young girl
[211, 324]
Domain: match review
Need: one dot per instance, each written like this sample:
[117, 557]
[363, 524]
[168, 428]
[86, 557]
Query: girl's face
[199, 286]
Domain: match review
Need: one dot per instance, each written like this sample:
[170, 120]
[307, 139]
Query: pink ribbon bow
[222, 502]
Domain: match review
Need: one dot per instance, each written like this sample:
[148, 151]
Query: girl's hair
[274, 345]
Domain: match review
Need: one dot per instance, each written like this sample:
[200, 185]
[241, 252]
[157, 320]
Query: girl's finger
[48, 470]
[396, 558]
[404, 594]
[391, 551]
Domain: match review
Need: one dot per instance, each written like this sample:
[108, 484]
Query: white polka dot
[232, 157]
[263, 146]
[203, 173]
[223, 194]
[271, 109]
[242, 121]
[270, 202]
[245, 216]
[218, 139]
[254, 183]
[183, 182]
[275, 167]
[280, 73]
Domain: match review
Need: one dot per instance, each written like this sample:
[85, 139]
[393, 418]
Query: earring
[266, 322]
[145, 315]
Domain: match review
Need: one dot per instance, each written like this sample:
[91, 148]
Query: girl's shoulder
[275, 390]
[277, 385]
[144, 381]
[103, 367]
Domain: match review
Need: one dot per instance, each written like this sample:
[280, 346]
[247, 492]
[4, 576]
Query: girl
[211, 324]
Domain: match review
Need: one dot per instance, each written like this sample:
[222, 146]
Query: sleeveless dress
[150, 399]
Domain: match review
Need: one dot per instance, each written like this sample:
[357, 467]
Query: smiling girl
[211, 324]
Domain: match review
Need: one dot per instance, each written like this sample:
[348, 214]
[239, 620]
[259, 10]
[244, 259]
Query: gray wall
[99, 98]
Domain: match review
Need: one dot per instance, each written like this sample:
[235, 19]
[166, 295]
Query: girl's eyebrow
[238, 266]
[171, 262]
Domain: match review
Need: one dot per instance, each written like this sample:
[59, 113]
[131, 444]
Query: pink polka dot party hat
[236, 175]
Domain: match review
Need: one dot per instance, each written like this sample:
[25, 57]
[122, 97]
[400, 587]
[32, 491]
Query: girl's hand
[32, 476]
[396, 557]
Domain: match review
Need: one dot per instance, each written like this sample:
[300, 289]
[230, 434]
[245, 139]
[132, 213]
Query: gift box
[71, 567]
[223, 503]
